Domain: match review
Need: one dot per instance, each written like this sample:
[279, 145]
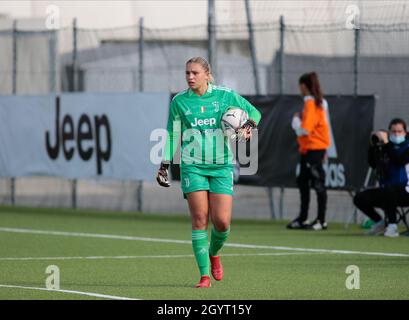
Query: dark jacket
[391, 161]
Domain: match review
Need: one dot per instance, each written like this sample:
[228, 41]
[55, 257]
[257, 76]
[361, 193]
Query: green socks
[201, 251]
[217, 240]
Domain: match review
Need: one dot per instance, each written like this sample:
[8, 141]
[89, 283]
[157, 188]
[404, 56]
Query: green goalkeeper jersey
[197, 119]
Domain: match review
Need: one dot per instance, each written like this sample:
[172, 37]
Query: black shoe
[317, 225]
[298, 224]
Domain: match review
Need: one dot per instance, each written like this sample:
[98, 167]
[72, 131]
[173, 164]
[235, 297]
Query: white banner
[80, 135]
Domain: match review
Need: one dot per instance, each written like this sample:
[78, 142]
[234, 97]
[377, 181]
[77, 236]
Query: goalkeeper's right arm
[163, 175]
[172, 140]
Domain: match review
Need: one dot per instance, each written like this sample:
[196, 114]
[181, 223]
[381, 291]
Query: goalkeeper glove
[244, 133]
[249, 124]
[163, 176]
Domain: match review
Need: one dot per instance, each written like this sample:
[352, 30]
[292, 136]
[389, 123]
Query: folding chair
[401, 213]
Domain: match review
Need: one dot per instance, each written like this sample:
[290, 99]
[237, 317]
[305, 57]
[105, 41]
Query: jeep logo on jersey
[201, 122]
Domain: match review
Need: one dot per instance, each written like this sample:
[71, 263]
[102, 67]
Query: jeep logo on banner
[83, 136]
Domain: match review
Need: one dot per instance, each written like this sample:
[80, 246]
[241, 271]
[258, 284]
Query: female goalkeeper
[206, 169]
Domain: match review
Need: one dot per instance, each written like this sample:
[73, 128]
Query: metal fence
[369, 60]
[265, 58]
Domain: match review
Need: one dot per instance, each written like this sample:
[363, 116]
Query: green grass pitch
[143, 267]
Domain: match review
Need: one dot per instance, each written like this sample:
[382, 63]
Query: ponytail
[310, 80]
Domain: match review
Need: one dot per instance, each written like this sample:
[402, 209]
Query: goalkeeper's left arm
[245, 132]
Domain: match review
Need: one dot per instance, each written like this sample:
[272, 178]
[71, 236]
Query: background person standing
[313, 137]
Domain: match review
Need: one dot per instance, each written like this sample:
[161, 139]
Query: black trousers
[387, 198]
[312, 174]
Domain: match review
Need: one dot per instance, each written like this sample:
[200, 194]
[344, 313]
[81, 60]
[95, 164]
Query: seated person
[390, 159]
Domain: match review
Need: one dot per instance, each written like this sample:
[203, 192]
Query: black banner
[351, 122]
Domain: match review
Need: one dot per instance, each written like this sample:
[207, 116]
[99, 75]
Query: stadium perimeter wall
[249, 202]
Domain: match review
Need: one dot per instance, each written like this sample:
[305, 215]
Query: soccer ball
[233, 119]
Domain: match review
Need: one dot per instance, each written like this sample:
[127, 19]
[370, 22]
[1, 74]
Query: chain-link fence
[369, 60]
[373, 59]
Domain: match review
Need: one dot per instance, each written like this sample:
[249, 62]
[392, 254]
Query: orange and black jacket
[314, 122]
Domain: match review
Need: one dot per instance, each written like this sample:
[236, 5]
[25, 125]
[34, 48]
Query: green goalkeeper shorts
[215, 180]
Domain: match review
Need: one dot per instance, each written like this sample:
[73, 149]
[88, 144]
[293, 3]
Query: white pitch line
[94, 257]
[91, 294]
[145, 257]
[92, 235]
[233, 245]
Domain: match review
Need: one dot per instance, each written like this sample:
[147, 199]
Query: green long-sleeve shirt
[197, 119]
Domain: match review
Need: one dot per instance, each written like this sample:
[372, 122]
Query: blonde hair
[205, 65]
